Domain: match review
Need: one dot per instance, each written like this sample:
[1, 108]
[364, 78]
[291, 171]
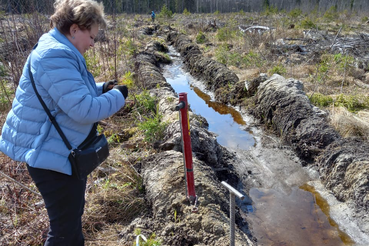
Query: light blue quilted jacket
[72, 96]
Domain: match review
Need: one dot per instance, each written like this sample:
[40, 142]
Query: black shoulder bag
[90, 154]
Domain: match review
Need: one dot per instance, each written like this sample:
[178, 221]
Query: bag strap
[51, 117]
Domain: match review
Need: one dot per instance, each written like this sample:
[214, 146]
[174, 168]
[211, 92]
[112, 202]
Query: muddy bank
[342, 163]
[283, 106]
[171, 217]
[217, 77]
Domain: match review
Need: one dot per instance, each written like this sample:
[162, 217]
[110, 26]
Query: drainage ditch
[282, 208]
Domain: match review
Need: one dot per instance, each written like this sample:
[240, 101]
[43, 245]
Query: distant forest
[195, 6]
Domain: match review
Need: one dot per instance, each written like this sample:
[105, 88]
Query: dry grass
[349, 124]
[23, 218]
[114, 197]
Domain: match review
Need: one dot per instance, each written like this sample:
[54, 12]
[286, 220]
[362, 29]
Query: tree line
[194, 6]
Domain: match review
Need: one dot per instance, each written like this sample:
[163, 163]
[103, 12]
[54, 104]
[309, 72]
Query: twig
[344, 76]
[20, 184]
[334, 40]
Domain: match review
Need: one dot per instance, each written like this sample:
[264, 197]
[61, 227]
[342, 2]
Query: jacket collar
[64, 40]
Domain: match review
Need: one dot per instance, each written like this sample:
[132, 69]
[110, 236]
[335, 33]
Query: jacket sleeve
[100, 86]
[59, 73]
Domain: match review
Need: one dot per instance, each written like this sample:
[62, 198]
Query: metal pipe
[233, 192]
[232, 218]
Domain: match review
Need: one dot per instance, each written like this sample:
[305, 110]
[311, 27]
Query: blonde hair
[84, 13]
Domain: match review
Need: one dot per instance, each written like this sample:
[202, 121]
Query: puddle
[299, 218]
[279, 218]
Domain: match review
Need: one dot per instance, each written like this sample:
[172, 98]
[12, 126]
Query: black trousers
[64, 198]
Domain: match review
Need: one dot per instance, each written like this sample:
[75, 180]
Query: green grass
[153, 128]
[353, 103]
[278, 69]
[145, 103]
[321, 100]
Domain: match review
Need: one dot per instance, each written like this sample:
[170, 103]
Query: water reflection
[224, 121]
[220, 107]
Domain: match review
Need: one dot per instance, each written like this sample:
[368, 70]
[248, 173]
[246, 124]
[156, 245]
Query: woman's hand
[123, 89]
[109, 85]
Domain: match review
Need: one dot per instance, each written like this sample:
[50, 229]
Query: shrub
[93, 63]
[186, 12]
[235, 59]
[3, 71]
[201, 38]
[127, 79]
[225, 56]
[225, 34]
[147, 242]
[352, 103]
[128, 47]
[295, 13]
[331, 14]
[153, 127]
[165, 12]
[344, 62]
[145, 103]
[270, 10]
[253, 59]
[221, 54]
[307, 23]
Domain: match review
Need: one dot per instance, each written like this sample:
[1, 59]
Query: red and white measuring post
[187, 149]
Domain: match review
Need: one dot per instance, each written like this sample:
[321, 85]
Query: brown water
[300, 218]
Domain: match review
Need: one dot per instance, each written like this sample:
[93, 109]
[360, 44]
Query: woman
[77, 102]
